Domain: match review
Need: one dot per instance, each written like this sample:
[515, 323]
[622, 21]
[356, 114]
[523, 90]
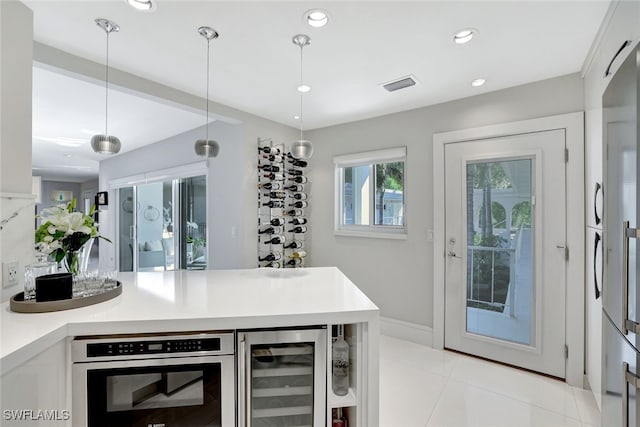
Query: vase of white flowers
[64, 232]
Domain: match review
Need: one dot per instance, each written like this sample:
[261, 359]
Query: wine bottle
[275, 240]
[274, 176]
[298, 254]
[269, 150]
[299, 229]
[299, 196]
[295, 187]
[274, 204]
[297, 163]
[294, 262]
[276, 194]
[340, 359]
[277, 185]
[298, 179]
[297, 221]
[300, 204]
[293, 245]
[293, 212]
[294, 172]
[277, 220]
[274, 158]
[273, 264]
[271, 230]
[269, 168]
[273, 256]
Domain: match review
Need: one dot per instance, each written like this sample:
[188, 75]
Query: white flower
[48, 239]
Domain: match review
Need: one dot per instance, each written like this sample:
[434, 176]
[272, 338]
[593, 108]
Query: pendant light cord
[206, 121]
[106, 88]
[301, 93]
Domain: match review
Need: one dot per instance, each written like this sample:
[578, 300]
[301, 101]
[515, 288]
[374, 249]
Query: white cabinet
[35, 393]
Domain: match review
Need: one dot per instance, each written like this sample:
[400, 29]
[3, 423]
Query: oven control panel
[129, 348]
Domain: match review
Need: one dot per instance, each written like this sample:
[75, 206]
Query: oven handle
[243, 418]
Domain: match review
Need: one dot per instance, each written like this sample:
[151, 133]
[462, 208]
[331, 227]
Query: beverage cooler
[282, 377]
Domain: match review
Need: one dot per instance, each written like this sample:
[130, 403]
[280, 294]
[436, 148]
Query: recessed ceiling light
[316, 18]
[465, 35]
[304, 88]
[478, 82]
[296, 117]
[144, 5]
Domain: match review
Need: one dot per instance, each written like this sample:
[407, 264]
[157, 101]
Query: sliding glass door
[163, 225]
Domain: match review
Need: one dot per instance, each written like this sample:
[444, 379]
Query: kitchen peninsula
[36, 348]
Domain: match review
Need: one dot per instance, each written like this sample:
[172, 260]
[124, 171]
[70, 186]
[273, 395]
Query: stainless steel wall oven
[180, 380]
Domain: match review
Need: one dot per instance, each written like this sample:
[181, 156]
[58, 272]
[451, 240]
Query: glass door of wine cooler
[282, 378]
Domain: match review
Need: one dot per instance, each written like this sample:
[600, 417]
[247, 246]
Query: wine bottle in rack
[269, 168]
[294, 262]
[274, 264]
[298, 254]
[299, 204]
[274, 176]
[275, 240]
[294, 187]
[276, 185]
[297, 221]
[274, 204]
[276, 194]
[277, 220]
[296, 244]
[269, 150]
[294, 172]
[298, 179]
[293, 212]
[276, 158]
[273, 256]
[340, 362]
[271, 230]
[297, 163]
[299, 196]
[299, 229]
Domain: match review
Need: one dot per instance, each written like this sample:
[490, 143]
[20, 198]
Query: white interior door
[506, 235]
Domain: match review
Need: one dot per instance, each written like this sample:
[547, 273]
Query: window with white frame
[370, 193]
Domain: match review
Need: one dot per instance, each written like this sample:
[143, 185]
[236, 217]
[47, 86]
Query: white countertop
[193, 301]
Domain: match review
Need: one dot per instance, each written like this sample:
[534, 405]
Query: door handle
[607, 72]
[595, 203]
[627, 233]
[595, 269]
[632, 379]
[243, 418]
[452, 254]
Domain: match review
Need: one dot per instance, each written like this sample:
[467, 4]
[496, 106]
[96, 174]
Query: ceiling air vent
[400, 83]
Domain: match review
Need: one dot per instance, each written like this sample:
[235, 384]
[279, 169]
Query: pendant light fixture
[302, 148]
[207, 147]
[106, 144]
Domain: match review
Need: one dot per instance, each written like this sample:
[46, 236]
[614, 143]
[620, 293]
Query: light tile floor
[423, 387]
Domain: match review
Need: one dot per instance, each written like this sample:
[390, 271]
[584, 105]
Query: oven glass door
[167, 395]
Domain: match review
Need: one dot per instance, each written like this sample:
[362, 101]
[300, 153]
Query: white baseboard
[418, 334]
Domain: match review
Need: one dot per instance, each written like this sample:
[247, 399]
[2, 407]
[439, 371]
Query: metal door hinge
[566, 155]
[566, 253]
[566, 351]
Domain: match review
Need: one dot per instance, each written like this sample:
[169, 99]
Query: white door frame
[573, 123]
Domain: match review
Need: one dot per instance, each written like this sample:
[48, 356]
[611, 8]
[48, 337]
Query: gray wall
[224, 188]
[49, 186]
[398, 274]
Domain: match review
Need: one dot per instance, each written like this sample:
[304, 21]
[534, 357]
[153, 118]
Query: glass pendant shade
[207, 148]
[302, 149]
[105, 144]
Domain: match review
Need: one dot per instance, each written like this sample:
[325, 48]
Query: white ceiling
[255, 66]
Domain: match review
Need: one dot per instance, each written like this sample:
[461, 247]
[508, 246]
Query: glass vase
[76, 262]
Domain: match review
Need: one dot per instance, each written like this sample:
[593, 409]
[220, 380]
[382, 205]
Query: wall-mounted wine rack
[283, 191]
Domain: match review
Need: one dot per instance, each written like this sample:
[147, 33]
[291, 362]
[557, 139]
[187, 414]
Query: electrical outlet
[9, 274]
